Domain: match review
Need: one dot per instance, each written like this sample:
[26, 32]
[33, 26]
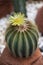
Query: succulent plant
[21, 36]
[19, 6]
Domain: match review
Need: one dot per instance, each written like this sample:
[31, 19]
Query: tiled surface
[31, 13]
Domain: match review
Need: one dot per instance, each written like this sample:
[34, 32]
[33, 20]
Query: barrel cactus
[21, 36]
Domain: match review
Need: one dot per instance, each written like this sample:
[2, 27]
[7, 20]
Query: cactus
[21, 38]
[19, 6]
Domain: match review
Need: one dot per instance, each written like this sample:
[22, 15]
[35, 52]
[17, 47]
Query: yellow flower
[17, 19]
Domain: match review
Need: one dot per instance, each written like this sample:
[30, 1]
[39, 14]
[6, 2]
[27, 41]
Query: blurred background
[33, 9]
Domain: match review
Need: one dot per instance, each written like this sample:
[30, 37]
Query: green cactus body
[22, 40]
[19, 6]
